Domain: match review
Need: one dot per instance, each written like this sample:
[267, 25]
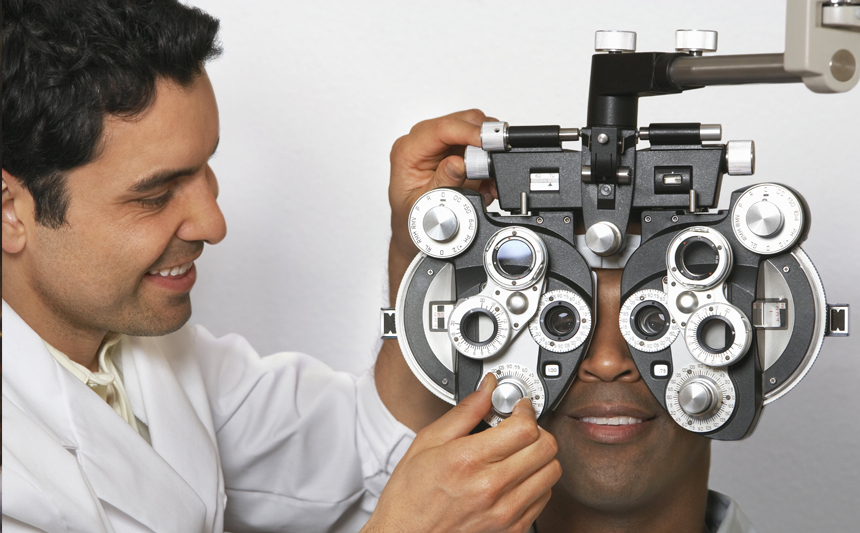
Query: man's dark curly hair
[68, 64]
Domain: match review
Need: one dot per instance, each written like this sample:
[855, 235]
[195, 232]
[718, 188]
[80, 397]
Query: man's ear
[15, 200]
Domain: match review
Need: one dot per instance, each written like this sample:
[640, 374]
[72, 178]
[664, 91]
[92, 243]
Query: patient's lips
[611, 423]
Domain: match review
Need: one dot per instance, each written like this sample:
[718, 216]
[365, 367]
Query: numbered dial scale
[442, 223]
[513, 383]
[700, 398]
[768, 219]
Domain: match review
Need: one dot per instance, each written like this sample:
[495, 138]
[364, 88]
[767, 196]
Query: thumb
[451, 172]
[463, 417]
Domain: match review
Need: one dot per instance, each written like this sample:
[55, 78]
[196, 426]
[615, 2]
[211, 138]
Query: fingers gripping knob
[477, 163]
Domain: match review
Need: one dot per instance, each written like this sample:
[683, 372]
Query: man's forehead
[179, 130]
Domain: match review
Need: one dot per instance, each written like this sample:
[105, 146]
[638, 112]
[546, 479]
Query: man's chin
[158, 322]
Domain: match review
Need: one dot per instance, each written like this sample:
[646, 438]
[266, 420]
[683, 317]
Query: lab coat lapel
[176, 410]
[122, 469]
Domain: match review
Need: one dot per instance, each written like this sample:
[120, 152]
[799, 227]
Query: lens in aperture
[514, 258]
[650, 320]
[560, 321]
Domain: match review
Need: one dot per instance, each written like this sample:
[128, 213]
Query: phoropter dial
[563, 321]
[479, 327]
[646, 323]
[768, 219]
[718, 334]
[513, 383]
[700, 398]
[442, 223]
[699, 258]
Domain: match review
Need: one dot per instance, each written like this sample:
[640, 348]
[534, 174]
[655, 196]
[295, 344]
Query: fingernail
[521, 404]
[484, 381]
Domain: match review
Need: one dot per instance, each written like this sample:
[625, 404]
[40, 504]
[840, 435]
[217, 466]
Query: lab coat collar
[165, 486]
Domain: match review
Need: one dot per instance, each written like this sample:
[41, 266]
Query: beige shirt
[107, 382]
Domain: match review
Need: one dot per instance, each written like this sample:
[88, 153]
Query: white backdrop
[312, 95]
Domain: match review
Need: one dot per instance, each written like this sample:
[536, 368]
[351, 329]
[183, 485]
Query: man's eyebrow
[162, 178]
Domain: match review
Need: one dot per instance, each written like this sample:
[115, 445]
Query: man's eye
[158, 201]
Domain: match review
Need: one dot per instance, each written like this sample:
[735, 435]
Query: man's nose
[608, 358]
[204, 220]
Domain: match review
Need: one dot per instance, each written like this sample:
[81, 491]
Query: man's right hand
[496, 480]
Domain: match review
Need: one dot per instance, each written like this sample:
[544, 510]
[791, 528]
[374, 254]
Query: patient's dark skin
[646, 476]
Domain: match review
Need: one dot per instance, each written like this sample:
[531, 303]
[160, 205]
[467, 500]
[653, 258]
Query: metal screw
[719, 247]
[674, 218]
[430, 272]
[641, 298]
[648, 218]
[785, 269]
[456, 339]
[673, 283]
[584, 321]
[683, 324]
[551, 343]
[709, 297]
[603, 138]
[516, 325]
[551, 298]
[497, 309]
[514, 233]
[498, 292]
[710, 308]
[665, 280]
[773, 381]
[513, 283]
[605, 190]
[567, 220]
[444, 381]
[534, 288]
[540, 220]
[641, 343]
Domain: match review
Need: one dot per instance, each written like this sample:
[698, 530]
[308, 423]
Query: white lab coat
[281, 443]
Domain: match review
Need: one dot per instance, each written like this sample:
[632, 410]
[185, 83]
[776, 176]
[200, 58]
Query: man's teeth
[614, 421]
[175, 271]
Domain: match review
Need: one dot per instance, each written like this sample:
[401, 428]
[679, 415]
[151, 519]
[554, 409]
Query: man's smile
[611, 423]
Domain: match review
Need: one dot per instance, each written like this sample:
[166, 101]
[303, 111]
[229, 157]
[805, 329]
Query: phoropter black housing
[723, 312]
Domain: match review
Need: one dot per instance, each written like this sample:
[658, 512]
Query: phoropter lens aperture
[650, 320]
[479, 327]
[514, 258]
[697, 258]
[715, 334]
[560, 321]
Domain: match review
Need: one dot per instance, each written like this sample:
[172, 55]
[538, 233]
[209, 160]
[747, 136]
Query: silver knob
[700, 397]
[506, 395]
[740, 158]
[440, 223]
[603, 238]
[477, 163]
[614, 41]
[494, 136]
[764, 219]
[695, 41]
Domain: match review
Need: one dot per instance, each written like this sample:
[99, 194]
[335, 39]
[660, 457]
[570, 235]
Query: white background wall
[312, 95]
